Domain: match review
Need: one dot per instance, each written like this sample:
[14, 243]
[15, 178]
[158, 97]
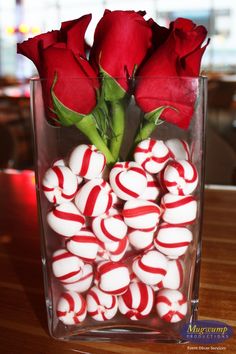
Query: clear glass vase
[53, 143]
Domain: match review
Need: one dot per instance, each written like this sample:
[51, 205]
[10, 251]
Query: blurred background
[21, 19]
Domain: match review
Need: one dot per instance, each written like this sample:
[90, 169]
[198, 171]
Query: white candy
[101, 306]
[137, 302]
[141, 240]
[59, 184]
[113, 251]
[59, 162]
[128, 180]
[94, 198]
[141, 214]
[171, 305]
[83, 244]
[179, 149]
[152, 190]
[172, 240]
[110, 227]
[65, 219]
[151, 267]
[112, 278]
[84, 283]
[180, 177]
[152, 155]
[66, 267]
[87, 161]
[178, 210]
[174, 276]
[71, 308]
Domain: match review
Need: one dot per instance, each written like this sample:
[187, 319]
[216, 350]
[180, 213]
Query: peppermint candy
[178, 210]
[83, 244]
[101, 306]
[128, 180]
[65, 219]
[110, 227]
[180, 177]
[151, 267]
[141, 214]
[172, 240]
[171, 305]
[66, 267]
[71, 308]
[87, 161]
[152, 155]
[59, 184]
[137, 302]
[94, 198]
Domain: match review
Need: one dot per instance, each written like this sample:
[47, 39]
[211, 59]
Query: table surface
[23, 327]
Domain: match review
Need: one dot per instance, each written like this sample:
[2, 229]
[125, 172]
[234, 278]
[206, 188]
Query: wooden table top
[23, 326]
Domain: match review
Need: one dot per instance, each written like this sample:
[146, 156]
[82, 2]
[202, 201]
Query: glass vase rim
[136, 78]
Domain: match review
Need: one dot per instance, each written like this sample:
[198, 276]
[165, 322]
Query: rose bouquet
[122, 230]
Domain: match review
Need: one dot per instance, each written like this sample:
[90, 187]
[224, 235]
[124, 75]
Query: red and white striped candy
[59, 184]
[171, 305]
[128, 180]
[141, 214]
[71, 308]
[110, 227]
[66, 267]
[180, 177]
[101, 306]
[113, 251]
[152, 190]
[172, 240]
[59, 162]
[87, 161]
[94, 197]
[84, 283]
[179, 149]
[112, 278]
[174, 276]
[137, 302]
[83, 244]
[152, 155]
[178, 210]
[151, 267]
[65, 219]
[141, 240]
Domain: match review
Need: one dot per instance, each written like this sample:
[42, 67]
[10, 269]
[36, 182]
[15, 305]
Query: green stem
[87, 126]
[118, 127]
[145, 132]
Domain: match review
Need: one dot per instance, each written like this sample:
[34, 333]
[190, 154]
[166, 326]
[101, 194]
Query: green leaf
[154, 116]
[111, 88]
[67, 116]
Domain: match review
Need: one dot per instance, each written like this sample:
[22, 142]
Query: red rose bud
[121, 42]
[163, 81]
[62, 54]
[74, 87]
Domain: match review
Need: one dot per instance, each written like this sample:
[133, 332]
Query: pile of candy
[124, 230]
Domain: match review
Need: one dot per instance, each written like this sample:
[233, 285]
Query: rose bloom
[162, 78]
[121, 42]
[62, 53]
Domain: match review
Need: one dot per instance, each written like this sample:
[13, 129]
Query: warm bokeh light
[23, 28]
[35, 30]
[10, 30]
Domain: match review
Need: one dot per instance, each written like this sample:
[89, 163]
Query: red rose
[121, 42]
[63, 53]
[74, 88]
[162, 78]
